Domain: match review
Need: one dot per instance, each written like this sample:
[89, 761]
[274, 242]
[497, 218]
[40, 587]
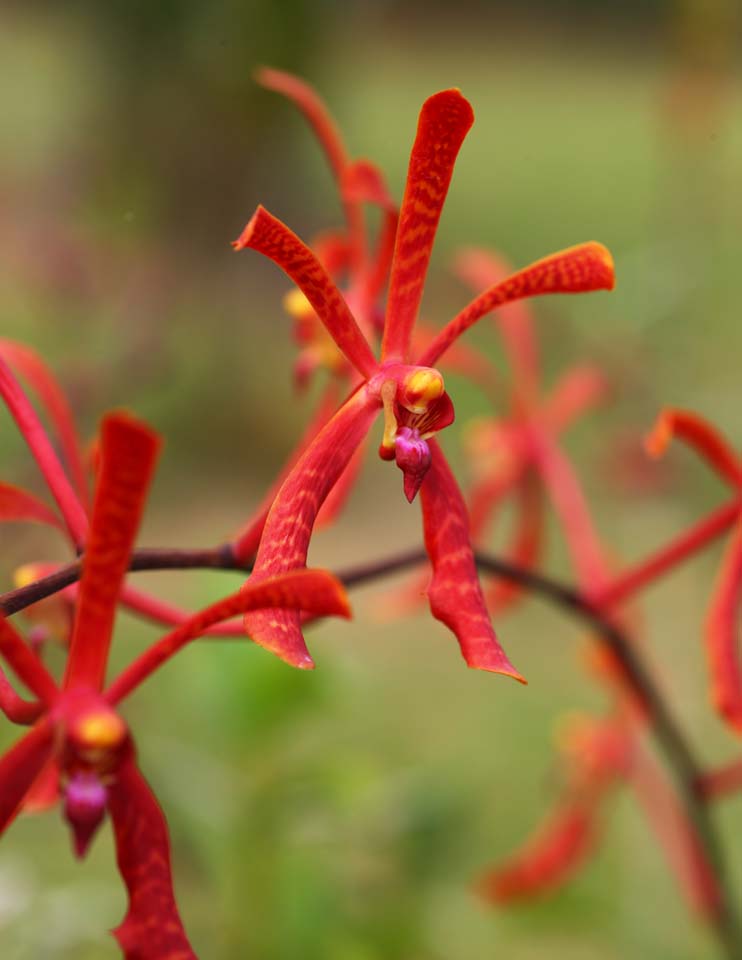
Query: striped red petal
[128, 453]
[289, 526]
[454, 594]
[444, 121]
[722, 634]
[699, 434]
[152, 928]
[579, 269]
[266, 234]
[19, 768]
[316, 592]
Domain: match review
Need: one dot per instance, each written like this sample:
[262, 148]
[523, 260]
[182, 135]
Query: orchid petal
[338, 496]
[43, 793]
[314, 591]
[699, 434]
[455, 594]
[266, 234]
[245, 544]
[43, 452]
[526, 547]
[579, 269]
[26, 665]
[722, 634]
[289, 526]
[579, 390]
[167, 614]
[445, 119]
[152, 928]
[16, 504]
[128, 453]
[37, 374]
[363, 182]
[481, 269]
[19, 768]
[16, 709]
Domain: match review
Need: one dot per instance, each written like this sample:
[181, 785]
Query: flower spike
[698, 434]
[580, 269]
[128, 453]
[454, 594]
[266, 234]
[445, 119]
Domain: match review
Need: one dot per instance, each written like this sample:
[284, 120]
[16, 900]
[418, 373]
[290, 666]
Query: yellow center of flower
[99, 730]
[420, 388]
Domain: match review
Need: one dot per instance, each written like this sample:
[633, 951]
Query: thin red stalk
[40, 446]
[669, 556]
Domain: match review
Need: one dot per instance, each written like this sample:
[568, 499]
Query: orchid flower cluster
[355, 305]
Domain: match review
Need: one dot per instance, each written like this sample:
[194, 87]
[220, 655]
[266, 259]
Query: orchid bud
[413, 458]
[85, 799]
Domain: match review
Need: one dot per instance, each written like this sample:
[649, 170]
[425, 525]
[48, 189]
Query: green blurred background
[341, 815]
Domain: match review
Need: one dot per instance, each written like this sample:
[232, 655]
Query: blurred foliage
[341, 815]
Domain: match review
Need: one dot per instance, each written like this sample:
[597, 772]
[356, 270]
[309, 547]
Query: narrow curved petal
[168, 614]
[16, 504]
[16, 709]
[722, 635]
[455, 594]
[289, 526]
[481, 269]
[444, 121]
[269, 236]
[548, 860]
[245, 544]
[128, 454]
[19, 768]
[526, 546]
[699, 434]
[579, 390]
[39, 377]
[338, 496]
[152, 928]
[579, 269]
[313, 591]
[25, 663]
[38, 442]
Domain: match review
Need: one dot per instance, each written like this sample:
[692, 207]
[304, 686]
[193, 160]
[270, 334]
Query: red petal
[527, 544]
[170, 615]
[314, 591]
[548, 860]
[152, 928]
[19, 768]
[128, 453]
[289, 526]
[481, 269]
[15, 708]
[43, 452]
[266, 234]
[722, 634]
[338, 496]
[44, 791]
[16, 504]
[445, 119]
[575, 270]
[26, 665]
[245, 544]
[35, 372]
[454, 594]
[579, 390]
[363, 182]
[699, 434]
[461, 359]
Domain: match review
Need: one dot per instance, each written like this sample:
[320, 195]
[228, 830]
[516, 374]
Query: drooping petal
[152, 928]
[246, 542]
[313, 591]
[550, 858]
[455, 594]
[289, 526]
[444, 121]
[20, 766]
[579, 269]
[43, 452]
[579, 390]
[481, 269]
[266, 234]
[723, 632]
[699, 434]
[39, 377]
[25, 663]
[16, 504]
[128, 453]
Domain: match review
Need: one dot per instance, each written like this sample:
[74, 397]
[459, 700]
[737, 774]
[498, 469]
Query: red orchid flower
[77, 734]
[722, 620]
[410, 392]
